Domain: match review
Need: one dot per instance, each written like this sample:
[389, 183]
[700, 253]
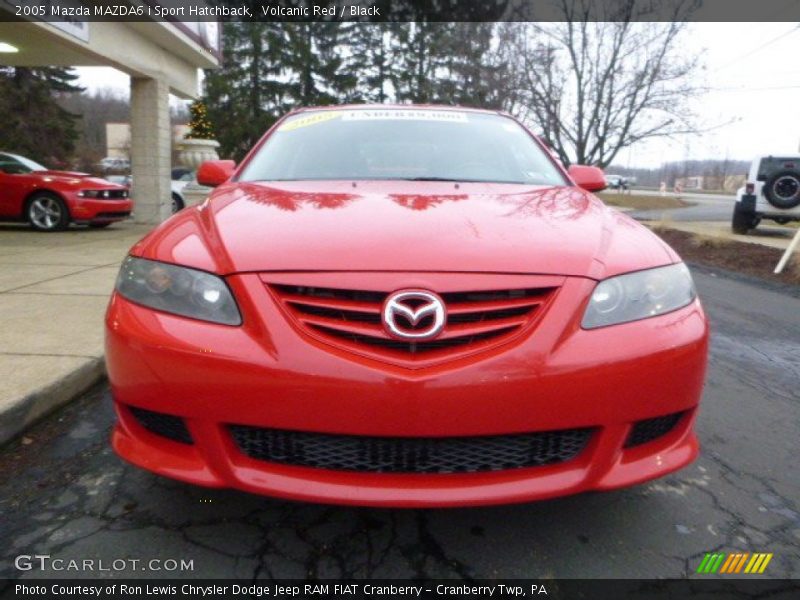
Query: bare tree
[594, 84]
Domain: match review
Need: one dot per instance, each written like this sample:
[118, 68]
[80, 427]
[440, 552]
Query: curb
[31, 408]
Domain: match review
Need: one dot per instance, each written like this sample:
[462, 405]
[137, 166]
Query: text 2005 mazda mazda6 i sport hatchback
[405, 306]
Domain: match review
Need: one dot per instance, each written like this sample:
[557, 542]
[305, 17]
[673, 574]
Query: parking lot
[64, 493]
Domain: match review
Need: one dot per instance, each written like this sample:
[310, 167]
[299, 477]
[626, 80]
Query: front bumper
[267, 374]
[90, 210]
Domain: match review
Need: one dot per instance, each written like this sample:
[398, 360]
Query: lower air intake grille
[166, 426]
[113, 215]
[410, 455]
[650, 429]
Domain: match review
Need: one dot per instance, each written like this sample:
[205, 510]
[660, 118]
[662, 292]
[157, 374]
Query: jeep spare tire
[782, 189]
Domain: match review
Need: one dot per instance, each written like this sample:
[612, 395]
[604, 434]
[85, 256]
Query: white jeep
[772, 191]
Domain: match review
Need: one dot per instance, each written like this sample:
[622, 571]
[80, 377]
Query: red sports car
[50, 200]
[405, 306]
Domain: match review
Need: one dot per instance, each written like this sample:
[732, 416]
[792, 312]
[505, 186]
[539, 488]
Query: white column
[150, 150]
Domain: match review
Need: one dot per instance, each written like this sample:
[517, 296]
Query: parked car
[176, 186]
[442, 315]
[618, 182]
[49, 200]
[178, 173]
[772, 191]
[114, 163]
[120, 179]
[180, 179]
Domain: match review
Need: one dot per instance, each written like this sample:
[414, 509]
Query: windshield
[18, 164]
[411, 144]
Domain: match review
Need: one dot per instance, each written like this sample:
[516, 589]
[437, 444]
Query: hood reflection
[291, 200]
[425, 201]
[553, 203]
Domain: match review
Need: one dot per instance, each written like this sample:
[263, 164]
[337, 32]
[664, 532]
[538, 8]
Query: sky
[752, 105]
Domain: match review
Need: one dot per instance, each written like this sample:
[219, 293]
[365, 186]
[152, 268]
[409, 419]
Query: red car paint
[277, 371]
[17, 188]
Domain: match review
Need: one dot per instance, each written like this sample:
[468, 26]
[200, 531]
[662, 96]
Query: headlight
[178, 290]
[639, 295]
[94, 194]
[103, 194]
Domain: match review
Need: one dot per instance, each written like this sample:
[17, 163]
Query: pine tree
[449, 63]
[369, 60]
[248, 93]
[475, 71]
[423, 51]
[33, 123]
[271, 68]
[316, 64]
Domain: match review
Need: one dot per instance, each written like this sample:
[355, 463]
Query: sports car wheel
[177, 203]
[47, 212]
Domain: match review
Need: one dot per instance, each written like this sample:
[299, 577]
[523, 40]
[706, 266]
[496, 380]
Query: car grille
[410, 455]
[167, 426]
[650, 429]
[351, 319]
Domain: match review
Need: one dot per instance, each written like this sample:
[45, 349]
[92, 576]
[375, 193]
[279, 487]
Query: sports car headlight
[179, 290]
[639, 295]
[94, 194]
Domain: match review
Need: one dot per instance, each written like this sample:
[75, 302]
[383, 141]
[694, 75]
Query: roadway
[706, 207]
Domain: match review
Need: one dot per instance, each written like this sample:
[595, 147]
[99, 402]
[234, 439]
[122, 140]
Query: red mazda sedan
[50, 200]
[405, 306]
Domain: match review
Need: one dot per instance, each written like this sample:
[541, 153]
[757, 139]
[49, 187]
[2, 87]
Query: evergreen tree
[248, 93]
[474, 72]
[423, 52]
[418, 50]
[33, 122]
[270, 68]
[449, 63]
[316, 65]
[369, 60]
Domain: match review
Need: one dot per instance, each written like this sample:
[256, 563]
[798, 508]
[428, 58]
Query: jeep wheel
[783, 189]
[743, 221]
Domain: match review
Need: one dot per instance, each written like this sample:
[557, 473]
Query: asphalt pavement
[705, 207]
[64, 493]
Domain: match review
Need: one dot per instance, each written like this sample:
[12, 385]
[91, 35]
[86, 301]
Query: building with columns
[161, 58]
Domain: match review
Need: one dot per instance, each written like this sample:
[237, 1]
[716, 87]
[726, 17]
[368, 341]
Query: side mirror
[215, 172]
[591, 179]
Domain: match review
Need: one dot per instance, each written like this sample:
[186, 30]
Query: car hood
[61, 174]
[405, 226]
[75, 178]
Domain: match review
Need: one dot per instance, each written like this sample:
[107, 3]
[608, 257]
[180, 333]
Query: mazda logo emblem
[414, 315]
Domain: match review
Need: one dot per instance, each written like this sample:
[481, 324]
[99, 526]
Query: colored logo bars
[735, 562]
